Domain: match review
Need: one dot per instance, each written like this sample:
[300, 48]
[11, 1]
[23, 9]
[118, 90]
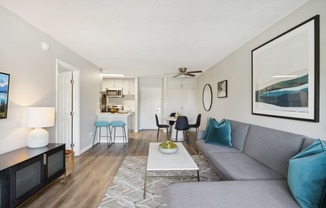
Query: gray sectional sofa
[253, 172]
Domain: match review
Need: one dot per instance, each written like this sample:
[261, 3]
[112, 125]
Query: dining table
[174, 131]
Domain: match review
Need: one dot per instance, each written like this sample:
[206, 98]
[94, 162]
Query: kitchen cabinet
[112, 83]
[127, 84]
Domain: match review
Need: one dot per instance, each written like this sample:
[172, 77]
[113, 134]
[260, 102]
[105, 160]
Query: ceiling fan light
[183, 73]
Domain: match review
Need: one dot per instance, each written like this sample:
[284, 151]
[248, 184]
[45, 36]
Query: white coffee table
[158, 161]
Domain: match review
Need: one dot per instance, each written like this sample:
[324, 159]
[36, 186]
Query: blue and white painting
[291, 94]
[284, 74]
[4, 92]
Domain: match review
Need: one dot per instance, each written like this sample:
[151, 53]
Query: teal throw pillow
[220, 134]
[209, 123]
[221, 121]
[307, 175]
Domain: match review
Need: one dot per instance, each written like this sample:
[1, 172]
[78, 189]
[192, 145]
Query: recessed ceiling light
[113, 75]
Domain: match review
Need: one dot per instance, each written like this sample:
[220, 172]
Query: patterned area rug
[127, 187]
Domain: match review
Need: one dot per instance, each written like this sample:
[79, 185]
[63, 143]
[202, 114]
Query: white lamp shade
[40, 117]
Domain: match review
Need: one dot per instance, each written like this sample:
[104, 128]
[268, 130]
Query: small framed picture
[222, 89]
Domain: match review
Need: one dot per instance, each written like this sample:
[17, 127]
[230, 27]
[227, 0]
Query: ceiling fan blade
[195, 71]
[183, 72]
[192, 75]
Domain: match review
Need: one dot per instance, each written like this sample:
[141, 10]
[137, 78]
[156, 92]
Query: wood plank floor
[94, 171]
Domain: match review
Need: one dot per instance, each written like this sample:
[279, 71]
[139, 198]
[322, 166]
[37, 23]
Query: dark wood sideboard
[26, 171]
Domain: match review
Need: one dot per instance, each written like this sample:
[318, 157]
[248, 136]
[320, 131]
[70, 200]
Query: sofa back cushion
[239, 132]
[307, 142]
[272, 147]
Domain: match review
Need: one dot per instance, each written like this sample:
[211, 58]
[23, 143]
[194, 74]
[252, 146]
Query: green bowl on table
[168, 147]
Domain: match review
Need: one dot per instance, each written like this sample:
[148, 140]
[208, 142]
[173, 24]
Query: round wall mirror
[207, 97]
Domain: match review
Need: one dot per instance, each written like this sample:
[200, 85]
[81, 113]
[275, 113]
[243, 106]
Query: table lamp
[37, 118]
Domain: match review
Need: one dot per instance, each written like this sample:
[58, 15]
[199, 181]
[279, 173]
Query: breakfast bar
[120, 116]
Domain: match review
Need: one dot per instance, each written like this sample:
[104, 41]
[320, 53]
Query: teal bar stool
[100, 124]
[121, 124]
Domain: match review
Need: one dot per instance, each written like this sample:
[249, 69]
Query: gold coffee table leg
[145, 179]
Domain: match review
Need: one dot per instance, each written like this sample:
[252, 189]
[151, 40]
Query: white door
[64, 107]
[67, 120]
[150, 104]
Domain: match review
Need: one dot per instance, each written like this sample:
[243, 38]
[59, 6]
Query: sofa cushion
[219, 134]
[226, 194]
[306, 142]
[306, 177]
[272, 147]
[239, 132]
[207, 149]
[238, 166]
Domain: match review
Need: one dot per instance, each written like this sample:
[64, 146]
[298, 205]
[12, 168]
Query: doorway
[150, 104]
[68, 106]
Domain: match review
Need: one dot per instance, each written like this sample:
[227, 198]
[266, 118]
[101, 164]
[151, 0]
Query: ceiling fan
[183, 72]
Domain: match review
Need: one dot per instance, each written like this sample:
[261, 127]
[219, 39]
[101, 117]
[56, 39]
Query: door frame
[76, 102]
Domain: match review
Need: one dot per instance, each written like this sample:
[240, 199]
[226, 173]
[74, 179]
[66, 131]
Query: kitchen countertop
[114, 114]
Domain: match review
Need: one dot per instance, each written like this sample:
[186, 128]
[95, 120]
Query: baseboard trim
[85, 149]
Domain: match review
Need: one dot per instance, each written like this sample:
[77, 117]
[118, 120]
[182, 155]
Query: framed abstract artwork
[4, 94]
[285, 74]
[222, 89]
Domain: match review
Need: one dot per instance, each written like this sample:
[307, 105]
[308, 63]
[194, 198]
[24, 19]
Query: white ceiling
[152, 37]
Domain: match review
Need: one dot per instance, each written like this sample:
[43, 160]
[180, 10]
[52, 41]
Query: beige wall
[33, 77]
[236, 68]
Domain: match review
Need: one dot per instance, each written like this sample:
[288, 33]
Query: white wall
[236, 68]
[32, 81]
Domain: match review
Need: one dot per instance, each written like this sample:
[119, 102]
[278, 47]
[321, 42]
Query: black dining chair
[172, 122]
[182, 124]
[197, 124]
[159, 126]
